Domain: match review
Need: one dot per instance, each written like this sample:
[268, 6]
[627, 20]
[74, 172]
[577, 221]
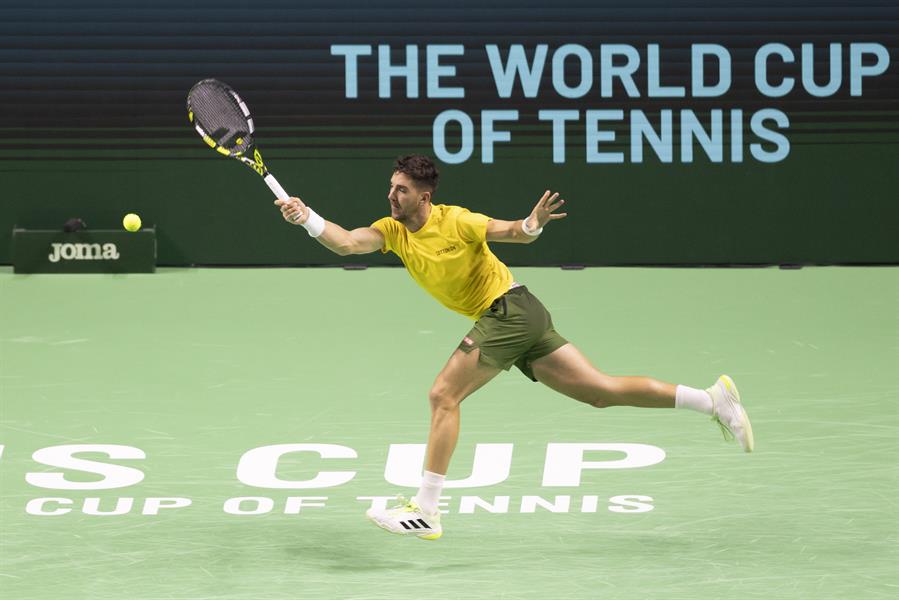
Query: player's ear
[425, 197]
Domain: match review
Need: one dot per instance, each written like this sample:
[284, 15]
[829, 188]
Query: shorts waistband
[515, 288]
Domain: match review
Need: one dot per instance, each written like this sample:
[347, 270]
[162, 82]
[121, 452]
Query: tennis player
[445, 249]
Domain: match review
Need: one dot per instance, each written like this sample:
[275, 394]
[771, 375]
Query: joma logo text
[59, 251]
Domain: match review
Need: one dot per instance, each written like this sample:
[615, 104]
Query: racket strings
[219, 113]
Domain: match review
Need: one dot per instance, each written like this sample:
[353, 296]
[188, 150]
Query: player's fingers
[556, 205]
[549, 200]
[555, 216]
[291, 209]
[296, 214]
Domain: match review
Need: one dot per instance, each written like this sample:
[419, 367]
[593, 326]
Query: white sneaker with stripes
[729, 414]
[407, 519]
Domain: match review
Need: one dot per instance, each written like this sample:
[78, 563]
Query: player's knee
[441, 399]
[600, 401]
[604, 392]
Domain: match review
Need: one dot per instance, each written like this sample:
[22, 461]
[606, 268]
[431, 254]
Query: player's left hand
[544, 212]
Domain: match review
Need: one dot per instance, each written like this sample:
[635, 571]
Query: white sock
[698, 400]
[429, 493]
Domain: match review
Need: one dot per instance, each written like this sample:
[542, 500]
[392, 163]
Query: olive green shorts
[515, 330]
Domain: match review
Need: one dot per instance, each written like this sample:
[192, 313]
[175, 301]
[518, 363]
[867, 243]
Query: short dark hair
[420, 168]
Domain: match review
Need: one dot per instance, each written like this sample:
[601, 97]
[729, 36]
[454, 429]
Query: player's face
[406, 199]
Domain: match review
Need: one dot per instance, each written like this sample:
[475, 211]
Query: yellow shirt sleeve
[472, 226]
[388, 228]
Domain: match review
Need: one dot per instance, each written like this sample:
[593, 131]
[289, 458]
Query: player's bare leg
[568, 371]
[462, 376]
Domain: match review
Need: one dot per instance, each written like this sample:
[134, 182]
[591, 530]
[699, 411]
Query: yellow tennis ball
[131, 222]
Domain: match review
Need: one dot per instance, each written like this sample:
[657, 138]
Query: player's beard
[398, 213]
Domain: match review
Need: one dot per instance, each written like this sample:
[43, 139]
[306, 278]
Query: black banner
[680, 132]
[87, 251]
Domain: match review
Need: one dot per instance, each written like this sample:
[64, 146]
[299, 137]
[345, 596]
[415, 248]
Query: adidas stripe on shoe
[407, 518]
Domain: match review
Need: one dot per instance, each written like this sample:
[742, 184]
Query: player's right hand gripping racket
[223, 120]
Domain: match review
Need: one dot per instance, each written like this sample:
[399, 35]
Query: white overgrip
[275, 187]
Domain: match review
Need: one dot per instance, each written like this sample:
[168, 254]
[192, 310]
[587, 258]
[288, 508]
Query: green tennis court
[194, 368]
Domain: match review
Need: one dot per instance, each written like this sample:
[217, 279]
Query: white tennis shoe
[728, 412]
[407, 518]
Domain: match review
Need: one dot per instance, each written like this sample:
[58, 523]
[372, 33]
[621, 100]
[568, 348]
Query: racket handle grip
[275, 187]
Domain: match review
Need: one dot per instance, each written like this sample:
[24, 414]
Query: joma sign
[60, 251]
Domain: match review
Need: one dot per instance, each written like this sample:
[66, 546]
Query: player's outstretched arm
[526, 230]
[331, 235]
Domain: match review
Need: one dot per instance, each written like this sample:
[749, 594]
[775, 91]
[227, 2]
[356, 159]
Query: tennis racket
[223, 120]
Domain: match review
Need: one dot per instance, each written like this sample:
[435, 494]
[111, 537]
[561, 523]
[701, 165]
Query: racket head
[221, 117]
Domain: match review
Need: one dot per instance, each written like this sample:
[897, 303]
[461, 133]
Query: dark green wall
[93, 120]
[825, 204]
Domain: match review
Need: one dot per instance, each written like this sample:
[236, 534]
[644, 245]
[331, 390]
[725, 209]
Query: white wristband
[314, 224]
[524, 228]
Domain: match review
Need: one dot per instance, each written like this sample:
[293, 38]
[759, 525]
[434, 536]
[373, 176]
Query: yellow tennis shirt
[449, 258]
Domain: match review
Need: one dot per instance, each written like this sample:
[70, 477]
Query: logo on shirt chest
[445, 250]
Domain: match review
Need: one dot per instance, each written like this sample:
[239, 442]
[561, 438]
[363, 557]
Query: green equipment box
[85, 251]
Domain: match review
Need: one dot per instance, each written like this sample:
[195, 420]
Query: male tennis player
[445, 250]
